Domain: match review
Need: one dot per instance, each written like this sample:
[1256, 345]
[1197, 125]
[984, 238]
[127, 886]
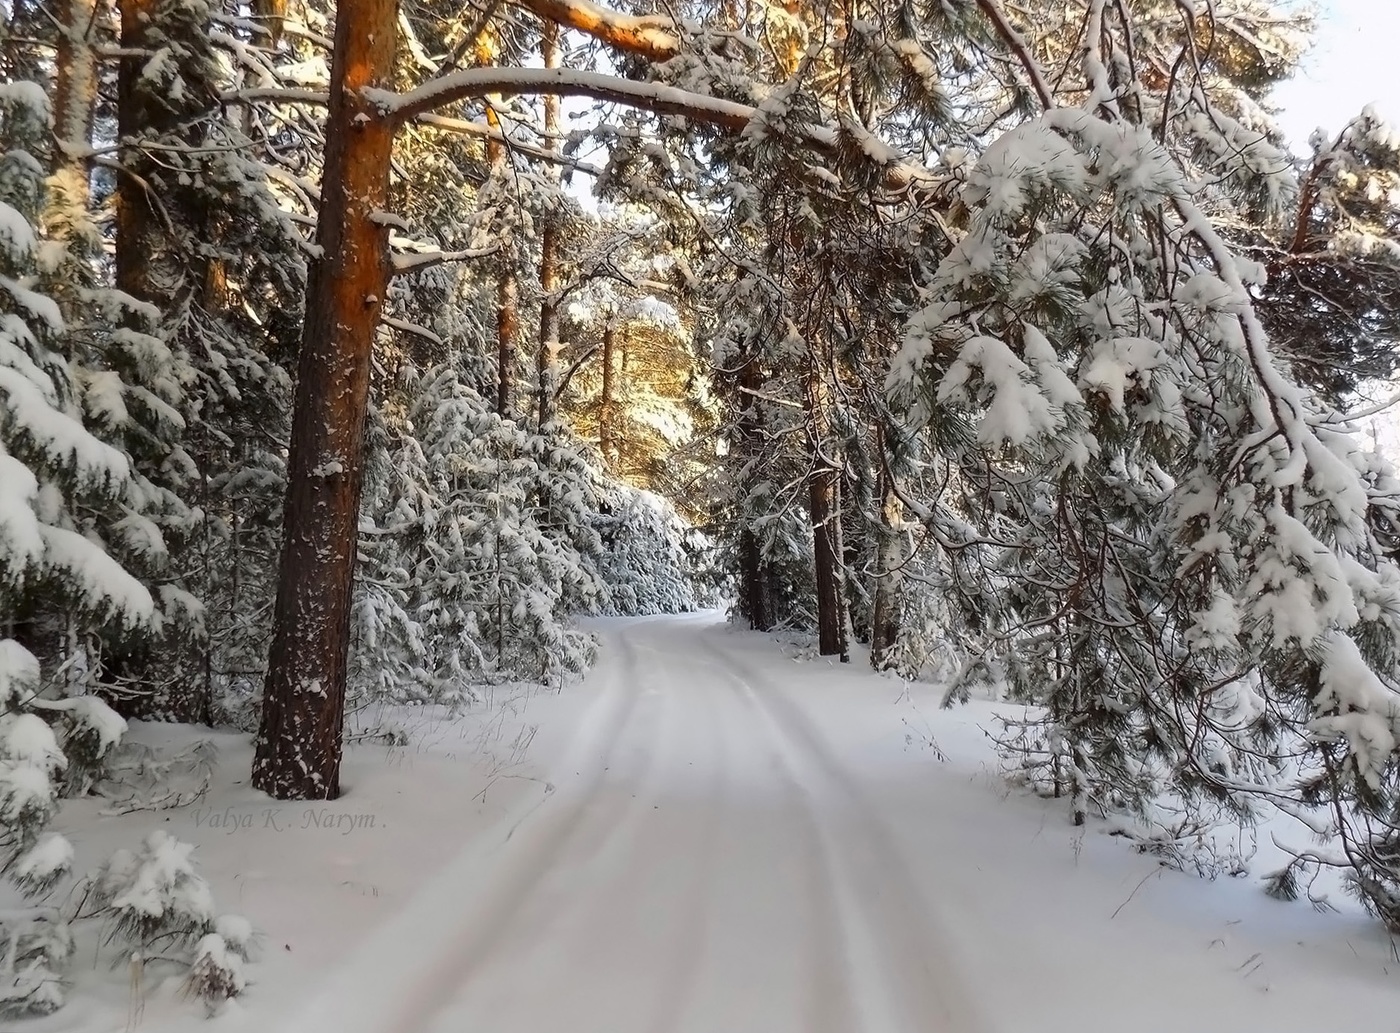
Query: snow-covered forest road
[705, 862]
[732, 841]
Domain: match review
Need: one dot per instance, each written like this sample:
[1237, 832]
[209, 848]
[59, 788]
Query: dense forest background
[351, 356]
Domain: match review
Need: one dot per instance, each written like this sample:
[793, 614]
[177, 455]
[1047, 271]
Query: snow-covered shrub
[155, 892]
[156, 904]
[38, 944]
[216, 975]
[652, 561]
[1181, 559]
[478, 552]
[154, 901]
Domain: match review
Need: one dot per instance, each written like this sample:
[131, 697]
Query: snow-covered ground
[709, 836]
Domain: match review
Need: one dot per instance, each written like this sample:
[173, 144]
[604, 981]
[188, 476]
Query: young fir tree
[55, 475]
[488, 525]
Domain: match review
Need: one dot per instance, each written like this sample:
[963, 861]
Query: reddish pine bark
[139, 234]
[547, 346]
[507, 290]
[299, 741]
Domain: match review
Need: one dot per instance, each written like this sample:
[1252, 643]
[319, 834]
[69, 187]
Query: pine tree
[299, 740]
[1164, 542]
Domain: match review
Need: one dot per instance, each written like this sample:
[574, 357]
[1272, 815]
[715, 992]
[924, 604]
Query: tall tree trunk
[607, 401]
[139, 233]
[885, 616]
[147, 265]
[156, 216]
[67, 212]
[299, 741]
[67, 219]
[547, 348]
[838, 548]
[507, 289]
[823, 501]
[754, 595]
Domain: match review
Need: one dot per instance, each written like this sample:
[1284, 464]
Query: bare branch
[574, 368]
[1014, 40]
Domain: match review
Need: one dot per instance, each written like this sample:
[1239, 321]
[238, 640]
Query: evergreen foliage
[59, 484]
[482, 548]
[1010, 341]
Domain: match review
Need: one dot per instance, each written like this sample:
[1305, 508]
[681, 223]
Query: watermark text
[282, 819]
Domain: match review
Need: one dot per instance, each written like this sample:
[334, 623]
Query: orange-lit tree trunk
[75, 96]
[547, 347]
[507, 299]
[299, 741]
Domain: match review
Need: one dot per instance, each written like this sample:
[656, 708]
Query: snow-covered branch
[481, 129]
[415, 263]
[728, 115]
[650, 36]
[416, 330]
[276, 95]
[477, 82]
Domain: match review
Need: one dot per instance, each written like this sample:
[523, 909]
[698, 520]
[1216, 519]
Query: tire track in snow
[916, 964]
[648, 931]
[593, 907]
[830, 998]
[591, 875]
[595, 819]
[428, 951]
[678, 987]
[828, 1002]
